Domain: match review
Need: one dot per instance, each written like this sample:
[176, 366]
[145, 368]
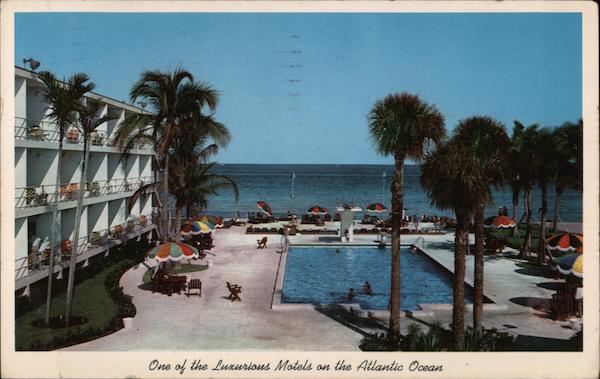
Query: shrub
[438, 338]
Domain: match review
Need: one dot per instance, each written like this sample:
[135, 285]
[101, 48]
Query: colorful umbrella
[570, 264]
[203, 226]
[263, 206]
[565, 243]
[172, 251]
[210, 219]
[376, 207]
[317, 210]
[499, 222]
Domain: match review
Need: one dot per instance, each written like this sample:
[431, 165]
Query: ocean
[297, 187]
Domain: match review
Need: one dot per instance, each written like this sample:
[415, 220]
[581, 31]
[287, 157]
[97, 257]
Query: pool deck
[211, 322]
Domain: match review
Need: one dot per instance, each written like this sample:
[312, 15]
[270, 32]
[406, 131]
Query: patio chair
[262, 243]
[234, 292]
[194, 284]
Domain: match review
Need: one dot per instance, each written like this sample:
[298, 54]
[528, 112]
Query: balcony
[47, 132]
[34, 266]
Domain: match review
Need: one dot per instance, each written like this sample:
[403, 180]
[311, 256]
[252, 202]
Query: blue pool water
[315, 274]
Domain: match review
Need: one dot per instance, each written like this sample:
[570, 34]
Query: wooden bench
[194, 284]
[234, 292]
[262, 243]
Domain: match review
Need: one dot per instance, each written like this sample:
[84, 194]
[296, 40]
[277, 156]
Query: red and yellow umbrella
[263, 206]
[499, 222]
[210, 219]
[563, 243]
[172, 251]
[317, 210]
[376, 207]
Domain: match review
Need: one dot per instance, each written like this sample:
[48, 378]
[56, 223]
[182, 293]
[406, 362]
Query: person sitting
[367, 288]
[351, 294]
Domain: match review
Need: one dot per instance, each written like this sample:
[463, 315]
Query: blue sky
[296, 88]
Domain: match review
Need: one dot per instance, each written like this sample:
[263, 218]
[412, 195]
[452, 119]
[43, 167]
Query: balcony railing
[37, 261]
[41, 130]
[34, 196]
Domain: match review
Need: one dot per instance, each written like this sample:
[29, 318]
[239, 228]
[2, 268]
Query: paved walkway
[212, 322]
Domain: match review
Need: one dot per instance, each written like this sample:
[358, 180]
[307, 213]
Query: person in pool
[367, 288]
[351, 294]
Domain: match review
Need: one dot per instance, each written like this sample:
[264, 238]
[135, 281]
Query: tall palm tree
[547, 166]
[527, 146]
[452, 179]
[91, 116]
[172, 97]
[191, 182]
[403, 126]
[62, 98]
[197, 187]
[515, 162]
[568, 140]
[485, 139]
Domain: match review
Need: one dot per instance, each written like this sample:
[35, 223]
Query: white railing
[38, 261]
[34, 196]
[41, 130]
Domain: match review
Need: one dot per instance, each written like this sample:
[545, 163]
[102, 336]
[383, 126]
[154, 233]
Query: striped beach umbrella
[376, 207]
[570, 264]
[499, 222]
[263, 206]
[563, 243]
[203, 226]
[317, 210]
[172, 251]
[210, 219]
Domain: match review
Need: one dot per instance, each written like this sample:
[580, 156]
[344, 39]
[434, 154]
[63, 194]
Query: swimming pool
[323, 275]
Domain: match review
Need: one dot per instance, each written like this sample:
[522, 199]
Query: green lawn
[90, 300]
[171, 270]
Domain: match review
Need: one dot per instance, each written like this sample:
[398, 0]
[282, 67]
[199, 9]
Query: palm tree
[91, 116]
[191, 182]
[546, 167]
[568, 140]
[515, 162]
[485, 139]
[63, 101]
[173, 97]
[527, 147]
[452, 179]
[403, 126]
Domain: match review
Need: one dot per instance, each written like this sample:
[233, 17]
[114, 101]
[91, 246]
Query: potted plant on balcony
[93, 188]
[97, 139]
[95, 238]
[73, 135]
[66, 247]
[126, 185]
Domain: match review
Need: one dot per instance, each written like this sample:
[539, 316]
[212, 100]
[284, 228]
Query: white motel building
[109, 216]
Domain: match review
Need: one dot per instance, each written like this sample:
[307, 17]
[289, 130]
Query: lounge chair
[262, 243]
[194, 284]
[234, 292]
